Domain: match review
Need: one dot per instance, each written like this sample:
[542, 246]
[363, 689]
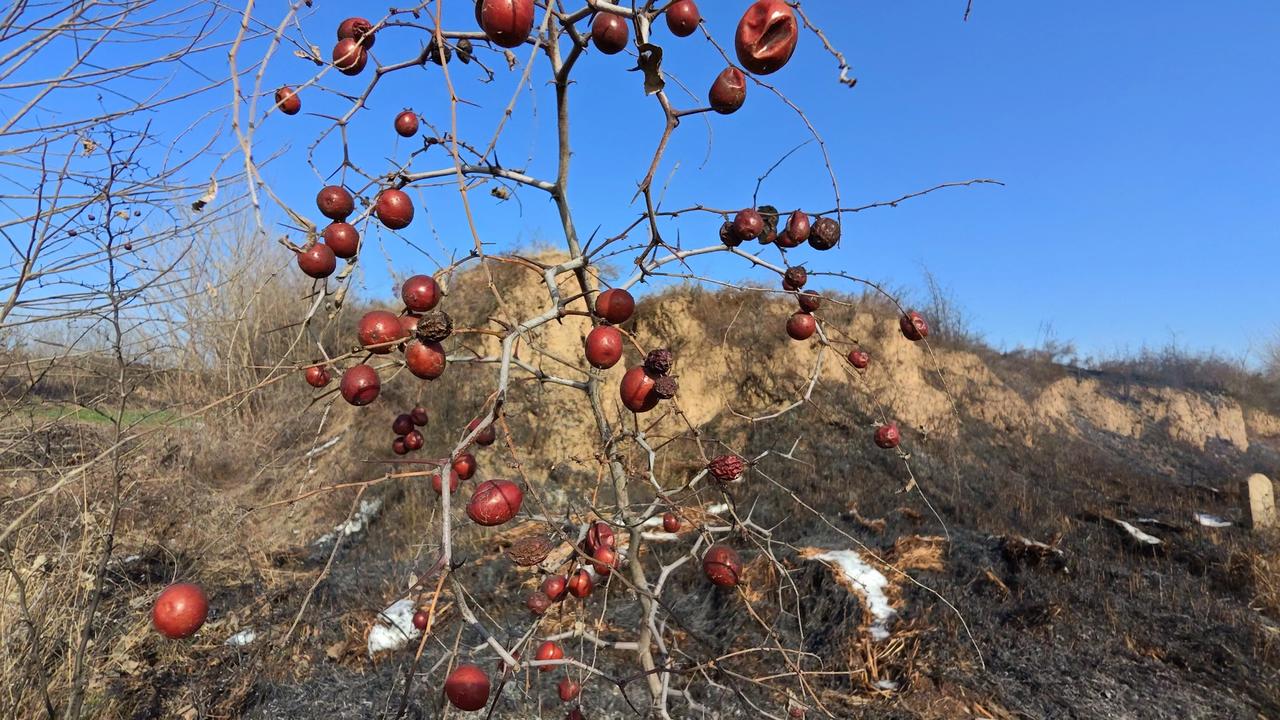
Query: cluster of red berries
[405, 427]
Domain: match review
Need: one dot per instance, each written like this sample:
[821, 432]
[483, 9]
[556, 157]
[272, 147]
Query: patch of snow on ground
[886, 685]
[718, 508]
[321, 448]
[393, 628]
[872, 583]
[368, 510]
[242, 638]
[1138, 534]
[1212, 521]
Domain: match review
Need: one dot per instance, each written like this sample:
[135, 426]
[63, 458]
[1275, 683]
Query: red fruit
[794, 278]
[809, 300]
[402, 425]
[407, 123]
[670, 522]
[568, 689]
[425, 360]
[420, 293]
[342, 239]
[357, 28]
[766, 36]
[495, 502]
[394, 208]
[604, 560]
[506, 22]
[549, 651]
[798, 227]
[604, 346]
[465, 465]
[413, 440]
[801, 326]
[419, 415]
[728, 92]
[288, 101]
[398, 447]
[538, 602]
[467, 687]
[335, 202]
[437, 483]
[824, 234]
[555, 587]
[610, 33]
[796, 712]
[784, 240]
[360, 385]
[379, 328]
[722, 565]
[600, 535]
[486, 436]
[913, 326]
[859, 359]
[615, 305]
[580, 584]
[887, 436]
[409, 324]
[317, 376]
[727, 468]
[317, 261]
[748, 224]
[349, 57]
[683, 18]
[420, 619]
[180, 610]
[575, 714]
[636, 390]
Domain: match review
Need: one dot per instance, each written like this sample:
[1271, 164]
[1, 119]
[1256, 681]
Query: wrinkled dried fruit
[727, 235]
[529, 551]
[425, 360]
[766, 37]
[913, 326]
[615, 305]
[538, 602]
[666, 387]
[604, 346]
[359, 29]
[435, 326]
[794, 278]
[887, 436]
[801, 326]
[360, 385]
[784, 240]
[859, 359]
[728, 92]
[610, 33]
[467, 687]
[394, 208]
[824, 233]
[722, 565]
[495, 502]
[342, 239]
[727, 468]
[659, 361]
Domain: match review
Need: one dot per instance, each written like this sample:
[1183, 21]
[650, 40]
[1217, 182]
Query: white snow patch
[872, 584]
[321, 448]
[369, 509]
[394, 627]
[1138, 535]
[1212, 521]
[886, 685]
[242, 638]
[718, 508]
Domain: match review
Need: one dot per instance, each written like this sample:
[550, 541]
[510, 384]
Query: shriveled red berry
[766, 36]
[580, 584]
[727, 468]
[420, 619]
[599, 535]
[799, 226]
[615, 305]
[349, 57]
[824, 233]
[420, 416]
[538, 602]
[437, 482]
[399, 447]
[604, 559]
[859, 359]
[413, 440]
[913, 326]
[358, 29]
[568, 689]
[728, 91]
[794, 278]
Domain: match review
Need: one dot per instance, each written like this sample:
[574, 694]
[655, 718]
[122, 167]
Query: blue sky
[1138, 142]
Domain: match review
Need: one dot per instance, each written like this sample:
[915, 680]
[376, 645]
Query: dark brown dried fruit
[435, 55]
[538, 602]
[794, 278]
[824, 233]
[528, 551]
[665, 387]
[659, 361]
[727, 468]
[435, 326]
[727, 236]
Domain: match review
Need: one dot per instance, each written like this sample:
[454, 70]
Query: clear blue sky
[1140, 145]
